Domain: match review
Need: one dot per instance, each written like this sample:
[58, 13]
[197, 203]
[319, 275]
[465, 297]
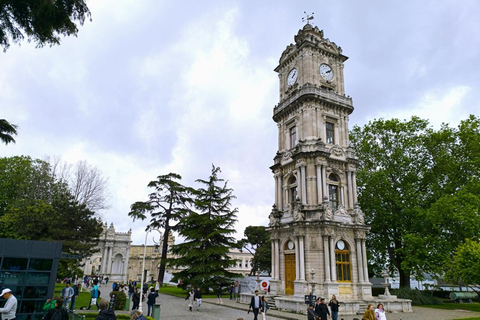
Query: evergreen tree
[207, 230]
[166, 205]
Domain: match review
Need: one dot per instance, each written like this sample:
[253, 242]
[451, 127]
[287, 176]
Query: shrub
[418, 297]
[120, 300]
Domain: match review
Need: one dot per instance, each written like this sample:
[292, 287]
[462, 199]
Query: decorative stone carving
[337, 151]
[313, 242]
[274, 217]
[341, 211]
[327, 210]
[287, 155]
[358, 214]
[297, 210]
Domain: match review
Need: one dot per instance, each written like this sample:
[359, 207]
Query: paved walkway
[173, 308]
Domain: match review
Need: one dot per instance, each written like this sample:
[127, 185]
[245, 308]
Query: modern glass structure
[29, 269]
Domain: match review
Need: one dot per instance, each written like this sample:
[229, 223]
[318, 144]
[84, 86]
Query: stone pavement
[173, 308]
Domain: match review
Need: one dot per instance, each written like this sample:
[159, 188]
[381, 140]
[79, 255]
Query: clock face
[292, 77]
[290, 245]
[340, 245]
[326, 72]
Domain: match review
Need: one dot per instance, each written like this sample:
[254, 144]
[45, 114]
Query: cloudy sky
[151, 87]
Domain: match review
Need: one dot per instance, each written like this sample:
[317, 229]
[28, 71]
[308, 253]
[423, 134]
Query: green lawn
[475, 306]
[175, 291]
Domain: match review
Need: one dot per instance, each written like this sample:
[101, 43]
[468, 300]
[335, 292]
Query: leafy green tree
[25, 181]
[167, 204]
[40, 21]
[7, 130]
[34, 206]
[257, 243]
[464, 268]
[419, 190]
[207, 230]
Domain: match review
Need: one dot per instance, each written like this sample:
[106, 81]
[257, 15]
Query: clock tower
[317, 227]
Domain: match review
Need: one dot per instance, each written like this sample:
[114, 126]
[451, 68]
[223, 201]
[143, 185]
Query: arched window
[292, 190]
[342, 257]
[333, 191]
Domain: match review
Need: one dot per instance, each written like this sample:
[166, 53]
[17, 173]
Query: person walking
[380, 313]
[136, 299]
[334, 305]
[94, 297]
[255, 305]
[57, 313]
[369, 314]
[311, 315]
[198, 298]
[190, 297]
[67, 294]
[219, 295]
[74, 297]
[264, 307]
[10, 307]
[321, 310]
[152, 296]
[105, 313]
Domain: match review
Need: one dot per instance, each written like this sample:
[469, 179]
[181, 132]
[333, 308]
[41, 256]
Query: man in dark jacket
[136, 299]
[321, 310]
[198, 298]
[58, 312]
[105, 312]
[255, 305]
[75, 296]
[152, 296]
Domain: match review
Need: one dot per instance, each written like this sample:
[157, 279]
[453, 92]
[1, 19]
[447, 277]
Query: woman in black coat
[58, 310]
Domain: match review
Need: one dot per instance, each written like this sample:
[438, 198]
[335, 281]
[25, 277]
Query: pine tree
[207, 230]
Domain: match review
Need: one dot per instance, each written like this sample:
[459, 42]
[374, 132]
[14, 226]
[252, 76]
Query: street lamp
[143, 266]
[312, 293]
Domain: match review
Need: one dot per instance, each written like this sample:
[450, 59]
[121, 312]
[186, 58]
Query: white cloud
[436, 105]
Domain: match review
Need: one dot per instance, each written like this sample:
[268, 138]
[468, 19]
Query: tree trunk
[404, 279]
[161, 272]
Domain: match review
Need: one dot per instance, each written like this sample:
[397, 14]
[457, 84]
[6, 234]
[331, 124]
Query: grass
[175, 291]
[474, 306]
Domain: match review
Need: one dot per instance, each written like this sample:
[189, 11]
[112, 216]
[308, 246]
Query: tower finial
[307, 18]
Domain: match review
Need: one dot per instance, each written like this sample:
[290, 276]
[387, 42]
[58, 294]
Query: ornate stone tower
[317, 228]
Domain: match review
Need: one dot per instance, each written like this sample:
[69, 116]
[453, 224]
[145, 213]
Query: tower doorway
[289, 274]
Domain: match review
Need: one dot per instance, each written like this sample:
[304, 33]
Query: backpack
[57, 315]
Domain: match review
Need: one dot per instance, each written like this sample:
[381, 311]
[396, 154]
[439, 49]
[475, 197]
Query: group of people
[194, 296]
[320, 310]
[374, 314]
[258, 305]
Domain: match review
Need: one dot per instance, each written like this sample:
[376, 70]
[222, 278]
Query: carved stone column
[301, 250]
[319, 183]
[359, 260]
[365, 266]
[350, 190]
[326, 257]
[333, 262]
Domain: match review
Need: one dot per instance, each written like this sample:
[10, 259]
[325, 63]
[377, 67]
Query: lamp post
[143, 266]
[313, 286]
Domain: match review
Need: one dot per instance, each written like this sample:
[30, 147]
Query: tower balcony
[312, 91]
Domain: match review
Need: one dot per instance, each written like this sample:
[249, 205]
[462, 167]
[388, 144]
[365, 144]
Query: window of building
[292, 190]
[342, 256]
[330, 131]
[333, 195]
[293, 137]
[334, 191]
